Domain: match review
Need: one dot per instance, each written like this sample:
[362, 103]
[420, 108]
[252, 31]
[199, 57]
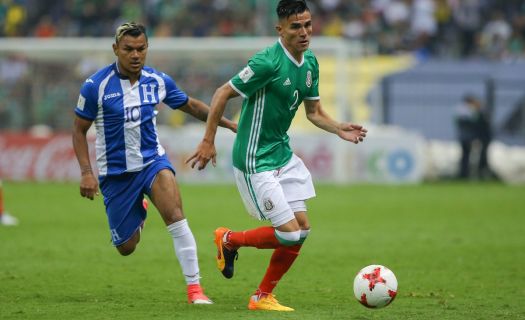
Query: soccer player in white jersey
[5, 218]
[121, 100]
[273, 182]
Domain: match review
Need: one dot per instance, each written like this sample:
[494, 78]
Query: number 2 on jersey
[294, 104]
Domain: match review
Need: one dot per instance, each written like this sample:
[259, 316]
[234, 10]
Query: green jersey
[273, 85]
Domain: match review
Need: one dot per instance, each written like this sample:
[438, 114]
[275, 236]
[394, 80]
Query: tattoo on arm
[85, 169]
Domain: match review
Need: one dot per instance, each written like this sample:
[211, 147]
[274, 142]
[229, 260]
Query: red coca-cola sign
[28, 157]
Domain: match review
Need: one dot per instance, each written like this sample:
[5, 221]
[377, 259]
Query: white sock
[186, 250]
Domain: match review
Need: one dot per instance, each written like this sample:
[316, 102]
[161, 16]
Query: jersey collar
[120, 75]
[289, 55]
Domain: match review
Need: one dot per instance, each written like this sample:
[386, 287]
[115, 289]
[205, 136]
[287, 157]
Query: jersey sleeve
[257, 74]
[313, 93]
[87, 105]
[175, 97]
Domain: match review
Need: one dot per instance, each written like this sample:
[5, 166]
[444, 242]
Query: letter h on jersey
[148, 93]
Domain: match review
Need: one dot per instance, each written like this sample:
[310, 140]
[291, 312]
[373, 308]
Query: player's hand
[205, 152]
[352, 132]
[88, 186]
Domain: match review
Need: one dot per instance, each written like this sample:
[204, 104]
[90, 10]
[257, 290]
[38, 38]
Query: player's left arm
[347, 131]
[200, 110]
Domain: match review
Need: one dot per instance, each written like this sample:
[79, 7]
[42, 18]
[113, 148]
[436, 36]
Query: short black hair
[286, 8]
[130, 28]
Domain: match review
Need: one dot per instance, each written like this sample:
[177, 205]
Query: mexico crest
[268, 204]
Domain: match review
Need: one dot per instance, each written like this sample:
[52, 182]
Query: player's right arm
[88, 181]
[254, 76]
[85, 111]
[206, 149]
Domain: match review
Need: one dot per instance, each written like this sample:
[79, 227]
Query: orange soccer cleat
[266, 301]
[225, 256]
[196, 295]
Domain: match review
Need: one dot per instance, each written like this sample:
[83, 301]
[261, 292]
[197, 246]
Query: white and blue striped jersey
[125, 116]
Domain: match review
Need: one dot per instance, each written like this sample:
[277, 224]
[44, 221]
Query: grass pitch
[458, 251]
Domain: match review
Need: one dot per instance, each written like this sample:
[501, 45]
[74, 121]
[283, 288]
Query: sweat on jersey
[273, 85]
[125, 116]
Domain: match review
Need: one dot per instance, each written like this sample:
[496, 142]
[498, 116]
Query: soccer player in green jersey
[273, 182]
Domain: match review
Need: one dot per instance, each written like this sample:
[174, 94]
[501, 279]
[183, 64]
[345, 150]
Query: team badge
[246, 74]
[81, 103]
[309, 79]
[268, 204]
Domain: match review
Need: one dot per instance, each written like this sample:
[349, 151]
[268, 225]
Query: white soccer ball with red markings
[375, 286]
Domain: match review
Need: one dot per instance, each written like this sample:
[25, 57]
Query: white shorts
[275, 195]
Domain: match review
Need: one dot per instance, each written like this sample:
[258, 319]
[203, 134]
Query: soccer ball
[375, 286]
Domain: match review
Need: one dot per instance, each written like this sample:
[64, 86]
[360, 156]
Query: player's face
[295, 32]
[131, 53]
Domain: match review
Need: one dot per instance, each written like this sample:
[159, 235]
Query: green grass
[458, 251]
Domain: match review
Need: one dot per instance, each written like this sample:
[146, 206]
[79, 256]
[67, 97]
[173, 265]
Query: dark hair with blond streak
[130, 28]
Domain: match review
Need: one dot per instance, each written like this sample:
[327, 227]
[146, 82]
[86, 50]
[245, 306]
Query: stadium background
[400, 67]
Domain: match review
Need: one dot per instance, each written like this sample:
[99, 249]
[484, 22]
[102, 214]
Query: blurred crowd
[494, 29]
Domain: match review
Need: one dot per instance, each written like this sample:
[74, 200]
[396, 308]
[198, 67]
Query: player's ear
[279, 28]
[115, 48]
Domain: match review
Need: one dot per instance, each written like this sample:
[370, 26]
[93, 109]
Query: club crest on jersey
[268, 204]
[148, 92]
[309, 79]
[246, 74]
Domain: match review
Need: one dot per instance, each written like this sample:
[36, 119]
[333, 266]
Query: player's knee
[125, 250]
[288, 238]
[129, 246]
[304, 225]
